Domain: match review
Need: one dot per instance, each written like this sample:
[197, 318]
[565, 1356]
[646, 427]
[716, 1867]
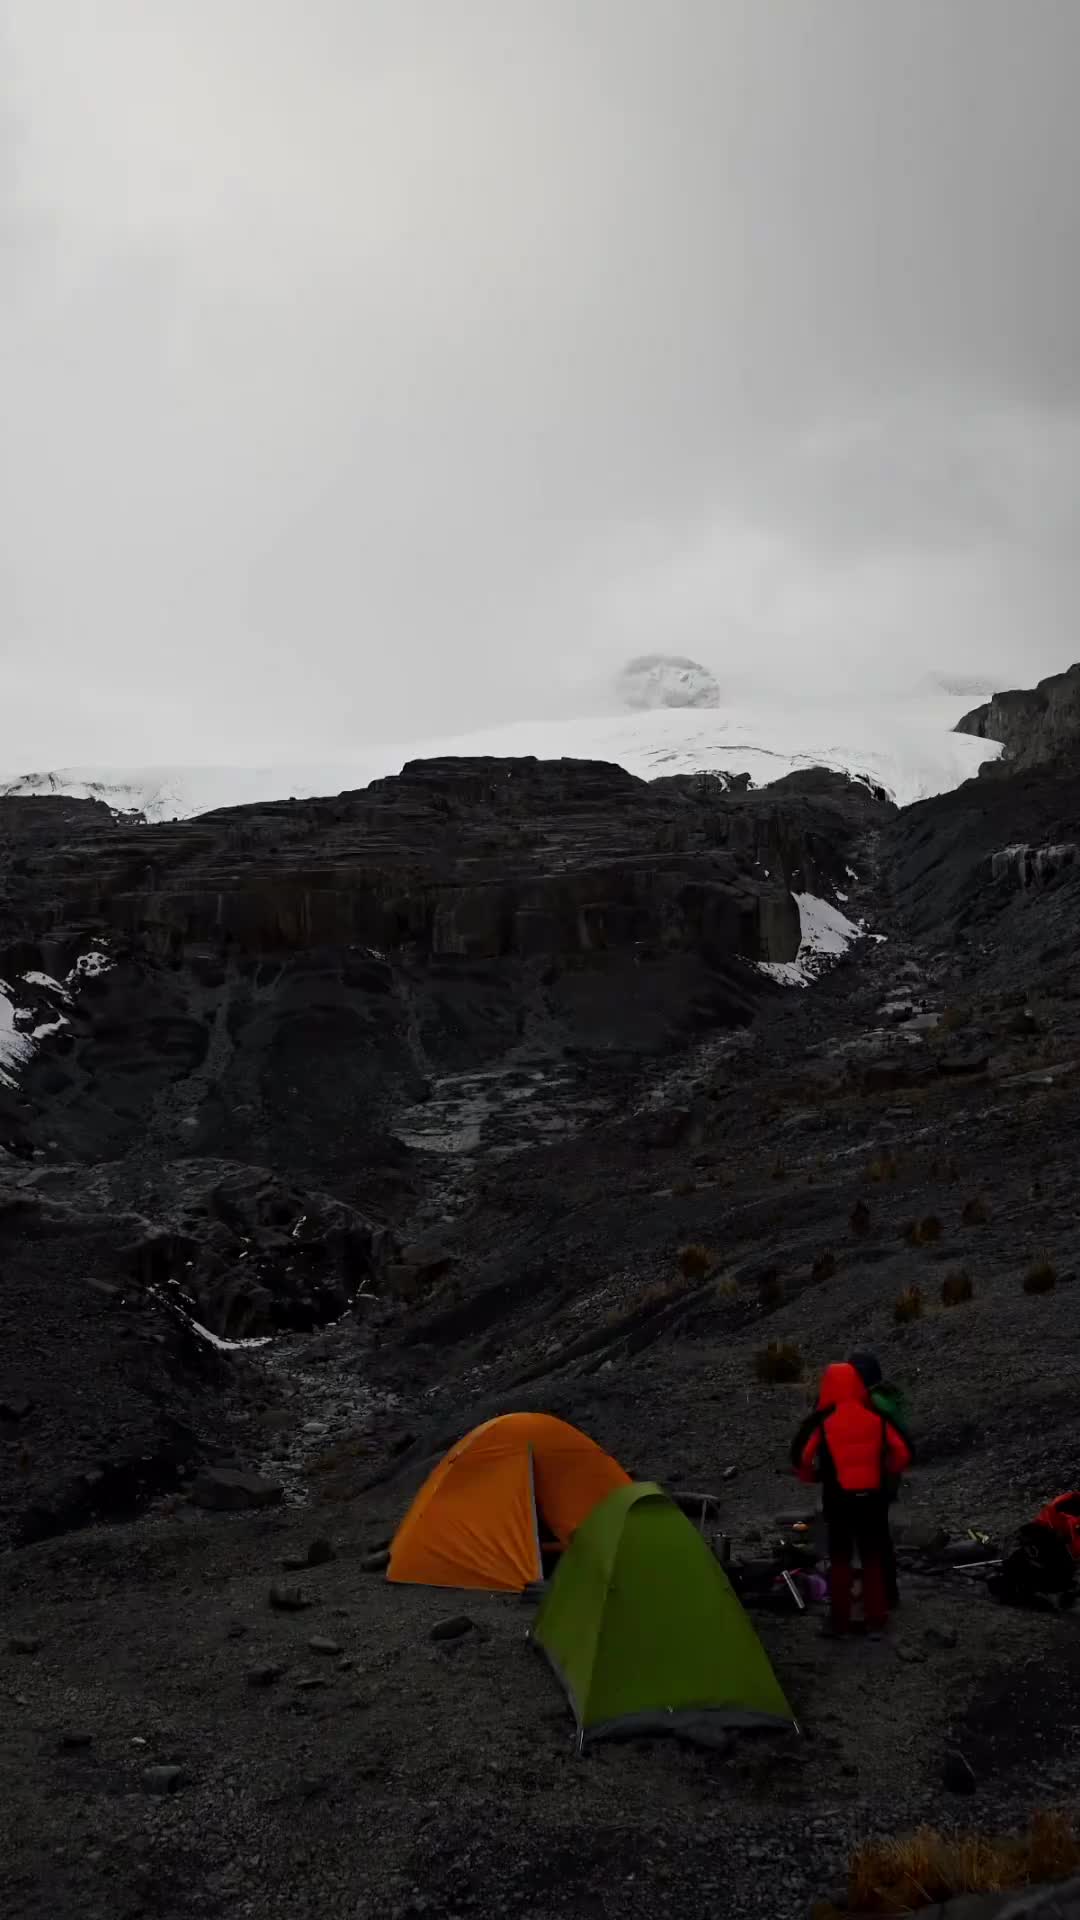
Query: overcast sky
[371, 367]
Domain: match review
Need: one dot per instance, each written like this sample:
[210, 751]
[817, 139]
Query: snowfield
[906, 747]
[824, 934]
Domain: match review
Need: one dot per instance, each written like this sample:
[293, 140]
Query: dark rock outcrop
[286, 977]
[1033, 725]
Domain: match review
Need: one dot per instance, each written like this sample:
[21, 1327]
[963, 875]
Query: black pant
[888, 1561]
[858, 1524]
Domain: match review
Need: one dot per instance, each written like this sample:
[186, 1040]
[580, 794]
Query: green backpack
[890, 1400]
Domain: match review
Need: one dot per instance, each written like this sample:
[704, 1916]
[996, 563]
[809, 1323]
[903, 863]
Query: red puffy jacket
[851, 1443]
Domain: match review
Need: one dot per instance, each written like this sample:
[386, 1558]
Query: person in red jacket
[854, 1451]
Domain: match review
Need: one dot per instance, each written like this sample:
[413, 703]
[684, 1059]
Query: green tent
[645, 1631]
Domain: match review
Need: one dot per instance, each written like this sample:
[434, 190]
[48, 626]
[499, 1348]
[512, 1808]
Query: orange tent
[478, 1518]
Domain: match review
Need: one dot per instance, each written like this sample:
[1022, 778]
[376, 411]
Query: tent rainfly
[646, 1633]
[507, 1490]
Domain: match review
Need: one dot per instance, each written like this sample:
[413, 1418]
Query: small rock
[729, 1473]
[25, 1643]
[295, 1562]
[222, 1490]
[288, 1599]
[237, 1630]
[163, 1779]
[15, 1406]
[320, 1553]
[454, 1628]
[958, 1774]
[375, 1562]
[309, 1682]
[910, 1654]
[946, 1637]
[320, 1644]
[264, 1676]
[75, 1742]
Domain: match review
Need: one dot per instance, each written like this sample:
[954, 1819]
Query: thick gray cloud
[376, 366]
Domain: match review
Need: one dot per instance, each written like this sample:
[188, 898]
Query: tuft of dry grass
[695, 1261]
[957, 1287]
[824, 1266]
[883, 1168]
[1041, 1276]
[779, 1364]
[659, 1293]
[908, 1306]
[926, 1868]
[922, 1233]
[779, 1169]
[976, 1212]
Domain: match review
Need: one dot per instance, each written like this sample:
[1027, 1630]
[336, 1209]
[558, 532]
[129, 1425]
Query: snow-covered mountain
[908, 748]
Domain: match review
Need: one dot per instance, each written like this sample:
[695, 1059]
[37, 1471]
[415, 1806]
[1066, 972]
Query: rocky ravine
[292, 989]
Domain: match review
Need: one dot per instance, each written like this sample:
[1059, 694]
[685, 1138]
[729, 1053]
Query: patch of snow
[22, 1028]
[49, 1026]
[89, 966]
[46, 980]
[203, 1333]
[15, 1048]
[825, 933]
[907, 748]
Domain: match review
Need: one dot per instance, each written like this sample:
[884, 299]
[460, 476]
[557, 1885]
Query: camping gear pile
[641, 1618]
[640, 1622]
[1041, 1572]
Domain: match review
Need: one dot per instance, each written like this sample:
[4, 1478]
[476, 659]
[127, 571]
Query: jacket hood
[841, 1383]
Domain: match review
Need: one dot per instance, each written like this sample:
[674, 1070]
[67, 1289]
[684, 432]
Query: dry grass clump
[922, 1233]
[695, 1261]
[779, 1364]
[1041, 1276]
[659, 1294]
[976, 1212]
[924, 1869]
[860, 1217]
[779, 1169]
[824, 1266]
[883, 1168]
[908, 1306]
[957, 1287]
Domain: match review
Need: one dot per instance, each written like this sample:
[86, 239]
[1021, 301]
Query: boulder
[223, 1490]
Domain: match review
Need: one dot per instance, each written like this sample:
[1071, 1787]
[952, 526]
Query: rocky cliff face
[286, 977]
[249, 1035]
[1034, 725]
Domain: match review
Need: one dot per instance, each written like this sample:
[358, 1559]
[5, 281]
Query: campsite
[216, 1701]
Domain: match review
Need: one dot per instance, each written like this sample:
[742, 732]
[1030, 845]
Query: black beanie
[868, 1368]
